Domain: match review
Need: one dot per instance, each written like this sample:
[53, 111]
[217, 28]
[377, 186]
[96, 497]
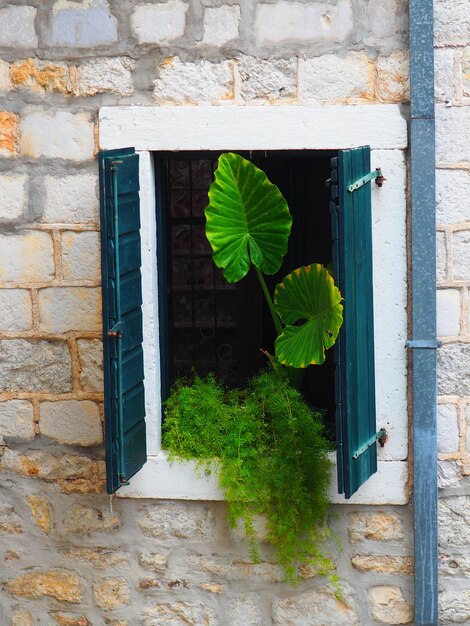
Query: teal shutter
[124, 400]
[354, 351]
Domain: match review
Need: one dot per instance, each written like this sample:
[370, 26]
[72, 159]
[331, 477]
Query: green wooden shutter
[122, 316]
[354, 351]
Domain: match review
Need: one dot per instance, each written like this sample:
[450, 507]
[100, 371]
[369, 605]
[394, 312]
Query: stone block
[22, 618]
[461, 248]
[153, 561]
[90, 352]
[84, 520]
[449, 474]
[41, 77]
[17, 27]
[73, 473]
[13, 200]
[106, 76]
[393, 78]
[111, 593]
[109, 621]
[158, 23]
[448, 312]
[8, 134]
[385, 23]
[40, 512]
[70, 308]
[16, 419]
[447, 428]
[35, 365]
[381, 564]
[454, 380]
[84, 24]
[298, 22]
[221, 24]
[452, 192]
[81, 255]
[182, 612]
[195, 83]
[316, 608]
[451, 22]
[71, 422]
[63, 585]
[97, 557]
[441, 269]
[454, 606]
[70, 619]
[57, 135]
[172, 520]
[245, 609]
[444, 74]
[333, 78]
[454, 521]
[465, 69]
[272, 79]
[15, 309]
[239, 569]
[71, 199]
[452, 130]
[388, 605]
[454, 565]
[10, 522]
[28, 256]
[5, 82]
[375, 527]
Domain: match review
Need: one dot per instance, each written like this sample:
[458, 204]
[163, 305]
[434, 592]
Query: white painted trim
[192, 128]
[182, 481]
[253, 127]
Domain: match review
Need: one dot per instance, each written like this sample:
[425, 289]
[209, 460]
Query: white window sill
[181, 481]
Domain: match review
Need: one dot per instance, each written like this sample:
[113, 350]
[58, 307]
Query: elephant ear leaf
[307, 295]
[247, 219]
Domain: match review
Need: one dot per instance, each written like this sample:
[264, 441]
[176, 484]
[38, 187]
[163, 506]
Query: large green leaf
[247, 219]
[307, 294]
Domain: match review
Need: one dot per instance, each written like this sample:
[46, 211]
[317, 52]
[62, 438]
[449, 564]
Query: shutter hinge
[375, 175]
[381, 437]
[123, 480]
[423, 344]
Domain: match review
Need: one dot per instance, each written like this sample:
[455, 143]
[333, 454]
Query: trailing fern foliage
[272, 460]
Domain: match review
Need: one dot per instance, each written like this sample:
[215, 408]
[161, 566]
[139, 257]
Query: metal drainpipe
[423, 342]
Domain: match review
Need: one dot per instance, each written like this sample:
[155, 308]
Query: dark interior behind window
[207, 323]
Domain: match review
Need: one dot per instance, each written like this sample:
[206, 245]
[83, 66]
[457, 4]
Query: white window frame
[230, 127]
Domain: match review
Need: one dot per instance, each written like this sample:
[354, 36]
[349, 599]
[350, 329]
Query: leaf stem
[274, 315]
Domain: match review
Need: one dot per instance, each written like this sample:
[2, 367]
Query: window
[254, 135]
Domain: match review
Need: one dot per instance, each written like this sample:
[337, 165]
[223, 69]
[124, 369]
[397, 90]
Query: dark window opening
[206, 323]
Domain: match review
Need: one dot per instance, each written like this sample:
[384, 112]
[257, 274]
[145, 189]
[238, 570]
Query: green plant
[248, 223]
[272, 460]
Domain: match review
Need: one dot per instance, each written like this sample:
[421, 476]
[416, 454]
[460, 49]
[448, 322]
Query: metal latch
[381, 437]
[423, 344]
[115, 331]
[375, 175]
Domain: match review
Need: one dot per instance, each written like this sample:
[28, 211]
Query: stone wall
[453, 244]
[69, 555]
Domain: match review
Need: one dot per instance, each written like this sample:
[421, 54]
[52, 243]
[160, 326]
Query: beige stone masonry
[111, 593]
[388, 606]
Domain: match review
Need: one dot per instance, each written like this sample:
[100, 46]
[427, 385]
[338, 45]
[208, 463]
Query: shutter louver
[354, 351]
[124, 399]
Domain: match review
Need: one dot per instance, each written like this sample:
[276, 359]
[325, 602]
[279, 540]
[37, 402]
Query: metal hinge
[381, 437]
[375, 175]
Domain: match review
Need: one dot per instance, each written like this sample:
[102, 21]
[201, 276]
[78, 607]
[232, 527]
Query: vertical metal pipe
[423, 264]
